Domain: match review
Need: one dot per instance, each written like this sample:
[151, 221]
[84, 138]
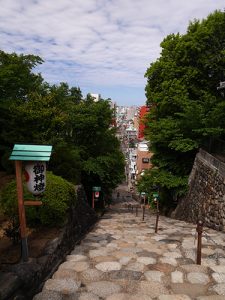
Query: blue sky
[102, 46]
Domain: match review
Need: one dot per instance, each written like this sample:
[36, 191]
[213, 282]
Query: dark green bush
[58, 197]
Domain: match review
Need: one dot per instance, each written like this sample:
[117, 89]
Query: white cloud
[96, 42]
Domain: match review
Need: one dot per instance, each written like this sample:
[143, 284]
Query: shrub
[58, 197]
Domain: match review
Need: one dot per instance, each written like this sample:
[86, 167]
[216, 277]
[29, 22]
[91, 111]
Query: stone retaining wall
[23, 280]
[206, 196]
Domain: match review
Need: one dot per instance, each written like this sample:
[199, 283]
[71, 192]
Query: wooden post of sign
[93, 200]
[22, 216]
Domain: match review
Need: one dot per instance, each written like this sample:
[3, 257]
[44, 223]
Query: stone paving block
[77, 257]
[177, 277]
[126, 296]
[191, 290]
[194, 268]
[124, 274]
[88, 296]
[146, 260]
[122, 244]
[218, 269]
[78, 249]
[155, 276]
[153, 289]
[91, 275]
[174, 254]
[124, 260]
[208, 262]
[108, 266]
[190, 253]
[165, 268]
[219, 288]
[136, 266]
[91, 245]
[48, 295]
[174, 297]
[219, 277]
[64, 286]
[112, 246]
[99, 259]
[66, 273]
[118, 296]
[198, 278]
[172, 246]
[131, 250]
[99, 252]
[168, 260]
[159, 237]
[119, 254]
[140, 297]
[212, 297]
[78, 266]
[208, 251]
[103, 288]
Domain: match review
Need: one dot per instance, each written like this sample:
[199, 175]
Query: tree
[17, 81]
[85, 148]
[186, 108]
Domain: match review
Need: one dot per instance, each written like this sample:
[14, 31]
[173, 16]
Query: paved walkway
[123, 259]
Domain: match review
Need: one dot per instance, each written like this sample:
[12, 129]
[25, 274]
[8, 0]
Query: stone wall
[206, 196]
[23, 280]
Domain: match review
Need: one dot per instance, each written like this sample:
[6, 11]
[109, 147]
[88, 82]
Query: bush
[58, 197]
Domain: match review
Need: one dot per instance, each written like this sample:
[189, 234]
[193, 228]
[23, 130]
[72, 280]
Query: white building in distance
[96, 97]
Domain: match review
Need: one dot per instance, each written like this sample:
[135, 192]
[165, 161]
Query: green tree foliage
[32, 111]
[17, 81]
[186, 109]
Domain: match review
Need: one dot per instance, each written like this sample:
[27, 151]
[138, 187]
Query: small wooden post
[22, 216]
[93, 200]
[143, 215]
[157, 216]
[199, 230]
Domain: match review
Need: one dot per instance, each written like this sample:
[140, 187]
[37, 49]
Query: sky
[102, 46]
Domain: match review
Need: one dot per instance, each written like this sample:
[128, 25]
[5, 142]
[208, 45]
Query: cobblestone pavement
[122, 258]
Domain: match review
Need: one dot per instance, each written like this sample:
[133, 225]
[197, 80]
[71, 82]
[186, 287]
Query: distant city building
[142, 112]
[131, 111]
[96, 97]
[143, 158]
[114, 118]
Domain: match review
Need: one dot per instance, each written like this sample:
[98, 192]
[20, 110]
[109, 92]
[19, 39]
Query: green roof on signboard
[31, 152]
[96, 188]
[156, 195]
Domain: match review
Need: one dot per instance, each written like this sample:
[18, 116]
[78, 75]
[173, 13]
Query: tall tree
[186, 108]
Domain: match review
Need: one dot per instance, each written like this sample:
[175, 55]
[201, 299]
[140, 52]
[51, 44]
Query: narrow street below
[123, 258]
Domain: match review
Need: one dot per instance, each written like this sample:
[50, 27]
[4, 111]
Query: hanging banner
[35, 175]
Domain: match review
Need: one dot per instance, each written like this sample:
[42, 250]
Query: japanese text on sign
[39, 178]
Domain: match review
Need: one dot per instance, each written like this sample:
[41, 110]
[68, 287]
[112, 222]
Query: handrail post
[199, 230]
[157, 215]
[143, 215]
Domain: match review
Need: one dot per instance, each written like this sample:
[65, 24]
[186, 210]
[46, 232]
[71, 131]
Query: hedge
[57, 198]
